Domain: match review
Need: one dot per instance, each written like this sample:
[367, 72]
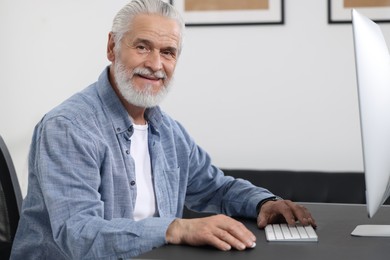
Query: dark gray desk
[335, 224]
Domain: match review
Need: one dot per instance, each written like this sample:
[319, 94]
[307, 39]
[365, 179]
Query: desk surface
[335, 224]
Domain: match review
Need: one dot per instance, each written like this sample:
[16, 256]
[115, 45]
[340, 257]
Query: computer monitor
[373, 77]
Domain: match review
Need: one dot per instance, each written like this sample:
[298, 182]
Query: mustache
[145, 72]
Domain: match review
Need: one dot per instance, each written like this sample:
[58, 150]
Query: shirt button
[127, 151]
[132, 183]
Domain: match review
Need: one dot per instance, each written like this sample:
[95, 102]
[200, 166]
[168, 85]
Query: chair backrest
[10, 199]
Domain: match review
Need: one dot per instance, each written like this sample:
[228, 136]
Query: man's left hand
[272, 212]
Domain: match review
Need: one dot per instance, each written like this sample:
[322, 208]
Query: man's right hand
[219, 231]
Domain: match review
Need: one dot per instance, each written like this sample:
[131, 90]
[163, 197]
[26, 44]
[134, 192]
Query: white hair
[123, 20]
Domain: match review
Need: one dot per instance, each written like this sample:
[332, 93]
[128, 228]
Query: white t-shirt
[145, 204]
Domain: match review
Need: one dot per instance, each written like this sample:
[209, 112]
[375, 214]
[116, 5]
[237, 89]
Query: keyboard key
[302, 232]
[278, 232]
[269, 232]
[294, 232]
[286, 231]
[310, 232]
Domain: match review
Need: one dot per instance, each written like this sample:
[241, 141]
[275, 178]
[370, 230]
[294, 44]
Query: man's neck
[137, 114]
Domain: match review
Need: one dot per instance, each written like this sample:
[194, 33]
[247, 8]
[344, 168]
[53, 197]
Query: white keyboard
[287, 233]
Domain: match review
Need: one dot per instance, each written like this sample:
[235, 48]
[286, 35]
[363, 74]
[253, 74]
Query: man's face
[146, 60]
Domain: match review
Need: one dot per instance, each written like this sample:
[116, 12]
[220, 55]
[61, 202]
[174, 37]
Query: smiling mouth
[149, 77]
[147, 74]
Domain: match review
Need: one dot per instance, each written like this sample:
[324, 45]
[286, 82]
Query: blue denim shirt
[82, 186]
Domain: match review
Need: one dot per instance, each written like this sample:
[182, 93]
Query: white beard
[141, 98]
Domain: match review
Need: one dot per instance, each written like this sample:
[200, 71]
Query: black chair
[10, 201]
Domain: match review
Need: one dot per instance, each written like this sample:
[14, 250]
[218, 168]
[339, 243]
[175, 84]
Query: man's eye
[168, 54]
[142, 49]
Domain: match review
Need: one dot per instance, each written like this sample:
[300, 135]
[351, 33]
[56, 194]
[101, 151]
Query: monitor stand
[371, 231]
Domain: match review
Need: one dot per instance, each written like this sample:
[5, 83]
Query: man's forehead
[155, 28]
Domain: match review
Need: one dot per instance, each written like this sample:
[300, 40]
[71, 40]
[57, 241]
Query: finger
[286, 211]
[241, 233]
[238, 231]
[267, 214]
[302, 214]
[274, 212]
[269, 217]
[230, 239]
[262, 220]
[197, 232]
[219, 243]
[312, 221]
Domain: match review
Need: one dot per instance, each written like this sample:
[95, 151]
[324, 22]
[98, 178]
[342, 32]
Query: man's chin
[143, 106]
[143, 96]
[145, 102]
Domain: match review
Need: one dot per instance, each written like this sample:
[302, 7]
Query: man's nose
[153, 60]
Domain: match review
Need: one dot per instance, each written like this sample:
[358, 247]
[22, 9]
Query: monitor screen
[373, 77]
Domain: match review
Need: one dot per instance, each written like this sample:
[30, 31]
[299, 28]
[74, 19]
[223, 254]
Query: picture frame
[230, 12]
[339, 11]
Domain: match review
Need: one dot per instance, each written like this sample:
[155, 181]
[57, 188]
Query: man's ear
[110, 47]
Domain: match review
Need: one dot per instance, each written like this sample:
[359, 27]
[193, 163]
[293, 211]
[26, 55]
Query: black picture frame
[273, 16]
[338, 14]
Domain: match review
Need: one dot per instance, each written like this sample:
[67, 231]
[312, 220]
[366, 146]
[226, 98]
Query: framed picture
[230, 12]
[339, 11]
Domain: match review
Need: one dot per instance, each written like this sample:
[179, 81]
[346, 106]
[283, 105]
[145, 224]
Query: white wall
[264, 97]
